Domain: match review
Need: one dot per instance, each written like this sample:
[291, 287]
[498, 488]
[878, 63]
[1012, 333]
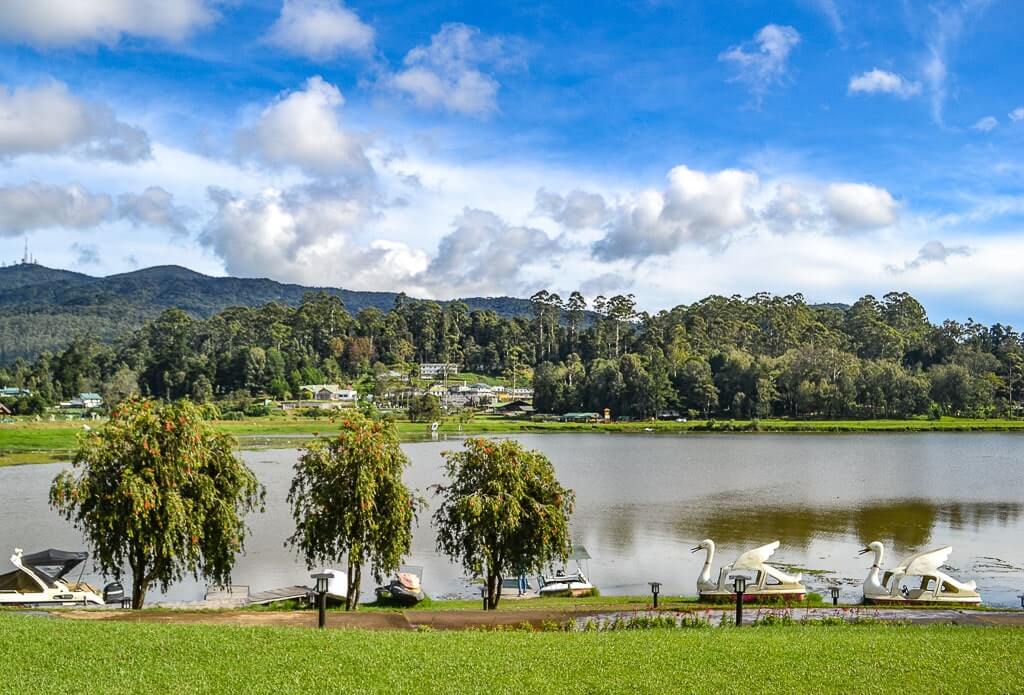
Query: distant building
[580, 417]
[330, 392]
[434, 369]
[85, 400]
[521, 392]
[14, 392]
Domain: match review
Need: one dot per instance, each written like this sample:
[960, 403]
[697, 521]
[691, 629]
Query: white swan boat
[935, 586]
[39, 579]
[769, 583]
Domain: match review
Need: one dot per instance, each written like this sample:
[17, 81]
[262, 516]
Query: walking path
[466, 619]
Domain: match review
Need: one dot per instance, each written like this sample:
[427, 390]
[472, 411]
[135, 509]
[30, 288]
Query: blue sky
[669, 149]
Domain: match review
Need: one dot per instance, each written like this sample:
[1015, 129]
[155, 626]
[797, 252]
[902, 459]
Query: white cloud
[986, 124]
[576, 210]
[446, 74]
[695, 208]
[483, 254]
[302, 129]
[931, 252]
[49, 119]
[38, 206]
[829, 9]
[320, 30]
[1017, 114]
[882, 82]
[943, 35]
[860, 205]
[154, 207]
[306, 235]
[63, 22]
[762, 63]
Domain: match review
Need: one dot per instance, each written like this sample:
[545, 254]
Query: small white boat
[568, 583]
[768, 584]
[40, 580]
[337, 585]
[935, 586]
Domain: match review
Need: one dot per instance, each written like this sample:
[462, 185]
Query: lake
[642, 501]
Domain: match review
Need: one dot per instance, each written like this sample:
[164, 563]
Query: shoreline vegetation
[29, 442]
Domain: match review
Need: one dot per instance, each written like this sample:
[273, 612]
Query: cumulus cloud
[306, 235]
[1017, 115]
[762, 62]
[154, 207]
[62, 22]
[576, 210]
[302, 129]
[882, 82]
[695, 208]
[986, 124]
[860, 205]
[320, 30]
[447, 74]
[49, 119]
[931, 252]
[483, 254]
[38, 206]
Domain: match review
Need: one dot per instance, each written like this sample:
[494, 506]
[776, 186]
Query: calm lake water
[644, 501]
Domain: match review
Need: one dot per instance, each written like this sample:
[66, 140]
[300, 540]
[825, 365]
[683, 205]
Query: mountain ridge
[44, 308]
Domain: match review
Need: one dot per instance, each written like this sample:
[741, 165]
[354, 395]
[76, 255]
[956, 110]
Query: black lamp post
[655, 589]
[483, 595]
[1021, 597]
[322, 578]
[740, 587]
[835, 595]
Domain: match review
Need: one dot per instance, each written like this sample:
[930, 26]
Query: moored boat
[768, 583]
[405, 589]
[40, 579]
[935, 586]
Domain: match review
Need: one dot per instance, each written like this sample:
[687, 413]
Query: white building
[434, 369]
[330, 392]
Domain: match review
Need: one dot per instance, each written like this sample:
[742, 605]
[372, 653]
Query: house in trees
[329, 392]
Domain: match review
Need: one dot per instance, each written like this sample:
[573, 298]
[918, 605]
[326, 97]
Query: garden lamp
[739, 585]
[655, 589]
[835, 595]
[322, 579]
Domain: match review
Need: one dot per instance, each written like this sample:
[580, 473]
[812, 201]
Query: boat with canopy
[41, 579]
[765, 582]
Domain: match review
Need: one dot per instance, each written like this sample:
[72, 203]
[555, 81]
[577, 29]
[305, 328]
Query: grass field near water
[67, 656]
[43, 442]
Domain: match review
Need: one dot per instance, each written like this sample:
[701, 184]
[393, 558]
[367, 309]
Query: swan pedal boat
[769, 583]
[935, 586]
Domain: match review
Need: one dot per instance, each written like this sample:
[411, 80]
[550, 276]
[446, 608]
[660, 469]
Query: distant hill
[45, 308]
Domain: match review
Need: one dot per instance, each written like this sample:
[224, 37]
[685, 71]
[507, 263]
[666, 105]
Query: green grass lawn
[31, 442]
[68, 656]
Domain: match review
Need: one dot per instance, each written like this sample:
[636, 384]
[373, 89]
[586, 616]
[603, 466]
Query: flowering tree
[158, 491]
[502, 510]
[348, 500]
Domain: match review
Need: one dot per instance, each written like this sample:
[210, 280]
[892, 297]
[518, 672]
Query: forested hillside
[44, 309]
[720, 357]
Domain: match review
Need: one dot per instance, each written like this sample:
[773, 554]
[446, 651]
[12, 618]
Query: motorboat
[935, 586]
[406, 589]
[337, 585]
[568, 582]
[40, 579]
[767, 583]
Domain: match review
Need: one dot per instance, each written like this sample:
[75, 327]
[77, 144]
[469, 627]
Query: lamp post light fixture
[835, 595]
[740, 587]
[483, 595]
[655, 590]
[322, 579]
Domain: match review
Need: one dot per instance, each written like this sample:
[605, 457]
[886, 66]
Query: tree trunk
[352, 594]
[493, 590]
[139, 581]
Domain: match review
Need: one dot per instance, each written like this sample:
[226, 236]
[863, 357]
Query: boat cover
[19, 582]
[51, 565]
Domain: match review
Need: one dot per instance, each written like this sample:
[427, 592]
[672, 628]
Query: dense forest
[738, 357]
[44, 309]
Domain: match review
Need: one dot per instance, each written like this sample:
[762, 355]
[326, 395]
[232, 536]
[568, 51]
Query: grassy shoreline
[152, 657]
[44, 442]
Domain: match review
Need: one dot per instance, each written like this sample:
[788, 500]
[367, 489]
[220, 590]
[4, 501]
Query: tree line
[759, 356]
